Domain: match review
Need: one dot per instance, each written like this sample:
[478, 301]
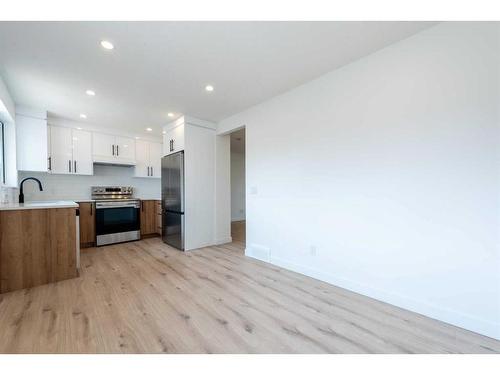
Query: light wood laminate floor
[238, 231]
[145, 297]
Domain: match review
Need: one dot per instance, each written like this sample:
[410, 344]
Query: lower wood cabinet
[37, 247]
[87, 224]
[148, 217]
[158, 217]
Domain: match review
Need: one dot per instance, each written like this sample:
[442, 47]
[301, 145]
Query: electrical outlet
[312, 250]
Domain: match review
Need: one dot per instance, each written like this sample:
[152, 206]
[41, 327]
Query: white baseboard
[220, 241]
[258, 252]
[456, 318]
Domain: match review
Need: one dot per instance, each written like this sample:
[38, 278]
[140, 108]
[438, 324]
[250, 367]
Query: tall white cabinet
[197, 139]
[70, 151]
[148, 159]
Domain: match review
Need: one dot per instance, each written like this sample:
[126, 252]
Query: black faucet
[21, 194]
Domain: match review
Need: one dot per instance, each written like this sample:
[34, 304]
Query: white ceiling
[161, 67]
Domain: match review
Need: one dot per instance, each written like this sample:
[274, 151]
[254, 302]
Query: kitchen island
[38, 243]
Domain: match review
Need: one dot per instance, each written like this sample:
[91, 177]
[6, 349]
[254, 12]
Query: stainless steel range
[117, 214]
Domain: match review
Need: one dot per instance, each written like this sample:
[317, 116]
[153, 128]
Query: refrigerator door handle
[182, 180]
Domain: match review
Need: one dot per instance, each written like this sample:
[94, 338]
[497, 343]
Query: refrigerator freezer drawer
[173, 229]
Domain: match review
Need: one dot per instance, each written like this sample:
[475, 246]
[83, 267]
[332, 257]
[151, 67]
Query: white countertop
[40, 205]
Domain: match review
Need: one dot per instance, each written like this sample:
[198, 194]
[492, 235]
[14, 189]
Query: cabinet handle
[148, 171]
[69, 164]
[173, 144]
[50, 163]
[91, 209]
[142, 206]
[152, 172]
[117, 151]
[75, 167]
[113, 147]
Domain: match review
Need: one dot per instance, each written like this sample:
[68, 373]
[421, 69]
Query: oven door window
[117, 220]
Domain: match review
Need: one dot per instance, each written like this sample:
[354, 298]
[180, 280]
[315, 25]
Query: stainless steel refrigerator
[172, 198]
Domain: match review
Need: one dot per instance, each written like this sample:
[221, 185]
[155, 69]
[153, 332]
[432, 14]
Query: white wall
[7, 107]
[389, 169]
[7, 116]
[237, 186]
[73, 187]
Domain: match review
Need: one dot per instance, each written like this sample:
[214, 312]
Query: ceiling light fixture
[82, 115]
[78, 128]
[137, 137]
[170, 114]
[90, 92]
[209, 88]
[149, 129]
[107, 44]
[164, 132]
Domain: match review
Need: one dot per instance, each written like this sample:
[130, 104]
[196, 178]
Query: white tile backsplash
[72, 187]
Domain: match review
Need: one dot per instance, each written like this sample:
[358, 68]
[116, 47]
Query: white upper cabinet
[60, 150]
[125, 149]
[155, 150]
[82, 152]
[113, 149]
[148, 158]
[142, 158]
[70, 151]
[103, 146]
[173, 139]
[31, 140]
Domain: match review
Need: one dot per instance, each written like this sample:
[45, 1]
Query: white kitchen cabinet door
[142, 159]
[82, 152]
[178, 138]
[61, 152]
[155, 159]
[125, 149]
[103, 146]
[173, 140]
[167, 137]
[31, 144]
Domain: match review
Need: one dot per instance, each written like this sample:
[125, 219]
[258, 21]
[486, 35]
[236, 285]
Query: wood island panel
[37, 247]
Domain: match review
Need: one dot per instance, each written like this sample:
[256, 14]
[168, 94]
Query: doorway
[238, 201]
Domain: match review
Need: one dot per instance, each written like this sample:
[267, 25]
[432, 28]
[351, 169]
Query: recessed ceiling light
[82, 115]
[149, 129]
[164, 132]
[78, 128]
[90, 92]
[170, 114]
[107, 44]
[209, 88]
[137, 137]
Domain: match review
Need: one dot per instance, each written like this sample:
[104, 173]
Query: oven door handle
[102, 207]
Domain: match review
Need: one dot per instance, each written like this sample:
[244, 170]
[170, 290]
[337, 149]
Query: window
[2, 154]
